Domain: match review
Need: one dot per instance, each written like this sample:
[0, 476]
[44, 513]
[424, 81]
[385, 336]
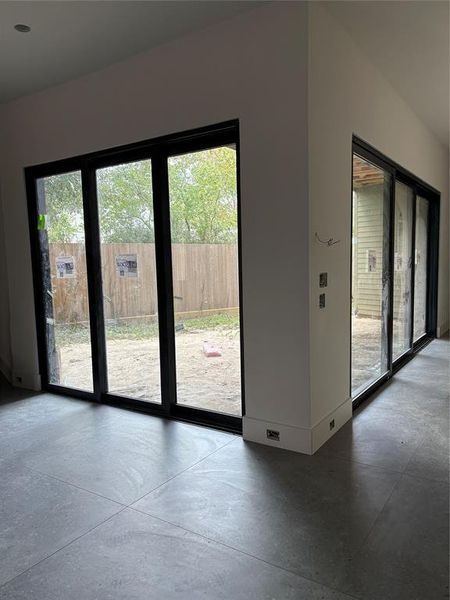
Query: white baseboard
[5, 370]
[297, 439]
[28, 381]
[291, 438]
[323, 430]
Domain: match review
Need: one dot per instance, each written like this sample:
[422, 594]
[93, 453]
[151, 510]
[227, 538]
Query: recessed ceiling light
[22, 28]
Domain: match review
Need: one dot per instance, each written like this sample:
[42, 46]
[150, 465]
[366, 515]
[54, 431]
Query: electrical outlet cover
[323, 280]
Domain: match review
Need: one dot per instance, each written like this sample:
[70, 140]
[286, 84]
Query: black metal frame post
[94, 280]
[390, 201]
[35, 208]
[163, 252]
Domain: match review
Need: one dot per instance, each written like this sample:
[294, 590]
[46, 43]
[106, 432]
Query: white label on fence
[65, 267]
[126, 265]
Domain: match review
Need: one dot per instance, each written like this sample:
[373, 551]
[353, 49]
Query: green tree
[203, 197]
[125, 203]
[64, 206]
[203, 200]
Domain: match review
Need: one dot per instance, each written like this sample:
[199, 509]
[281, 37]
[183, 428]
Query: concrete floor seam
[266, 562]
[62, 548]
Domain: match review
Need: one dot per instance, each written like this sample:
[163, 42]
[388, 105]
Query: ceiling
[72, 38]
[409, 42]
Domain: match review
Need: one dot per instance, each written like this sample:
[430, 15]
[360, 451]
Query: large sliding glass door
[130, 298]
[141, 306]
[403, 229]
[370, 289]
[60, 229]
[394, 276]
[205, 274]
[420, 268]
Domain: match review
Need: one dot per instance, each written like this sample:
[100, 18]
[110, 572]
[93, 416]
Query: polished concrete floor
[98, 503]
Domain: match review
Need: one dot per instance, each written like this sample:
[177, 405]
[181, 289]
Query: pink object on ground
[211, 350]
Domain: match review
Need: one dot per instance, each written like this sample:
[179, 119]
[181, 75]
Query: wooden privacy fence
[205, 279]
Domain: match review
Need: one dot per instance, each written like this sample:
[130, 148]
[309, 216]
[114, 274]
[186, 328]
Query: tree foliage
[203, 201]
[64, 207]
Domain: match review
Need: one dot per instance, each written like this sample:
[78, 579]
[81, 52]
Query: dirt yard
[133, 369]
[366, 352]
[209, 383]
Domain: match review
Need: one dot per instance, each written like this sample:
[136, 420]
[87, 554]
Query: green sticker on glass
[42, 222]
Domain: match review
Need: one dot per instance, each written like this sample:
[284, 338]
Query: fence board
[205, 278]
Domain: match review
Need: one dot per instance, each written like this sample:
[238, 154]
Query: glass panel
[370, 285]
[404, 198]
[420, 268]
[69, 355]
[127, 234]
[204, 228]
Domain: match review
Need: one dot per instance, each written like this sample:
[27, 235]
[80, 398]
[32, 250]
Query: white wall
[5, 344]
[348, 95]
[254, 68]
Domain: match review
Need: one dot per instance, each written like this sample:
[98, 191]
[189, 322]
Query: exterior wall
[368, 228]
[348, 95]
[252, 67]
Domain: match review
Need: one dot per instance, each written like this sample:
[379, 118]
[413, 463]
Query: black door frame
[158, 150]
[424, 190]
